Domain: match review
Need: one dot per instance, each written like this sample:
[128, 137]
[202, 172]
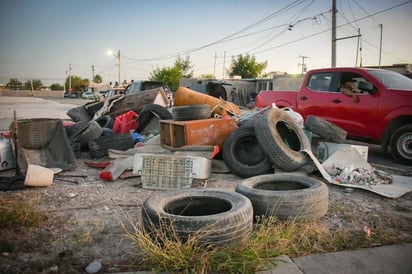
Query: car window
[320, 81]
[355, 78]
[392, 80]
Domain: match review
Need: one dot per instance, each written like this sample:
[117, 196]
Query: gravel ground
[85, 220]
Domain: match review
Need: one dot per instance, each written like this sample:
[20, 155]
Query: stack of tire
[96, 136]
[272, 140]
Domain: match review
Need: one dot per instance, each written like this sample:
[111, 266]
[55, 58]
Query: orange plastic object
[185, 96]
[196, 132]
[126, 122]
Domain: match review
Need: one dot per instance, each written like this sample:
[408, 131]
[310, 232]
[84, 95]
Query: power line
[327, 30]
[224, 39]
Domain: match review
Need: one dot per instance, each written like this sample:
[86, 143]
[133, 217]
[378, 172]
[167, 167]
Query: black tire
[286, 196]
[217, 217]
[150, 111]
[77, 149]
[98, 148]
[79, 114]
[191, 112]
[325, 129]
[92, 107]
[247, 123]
[70, 130]
[92, 130]
[105, 121]
[107, 132]
[243, 155]
[282, 140]
[401, 144]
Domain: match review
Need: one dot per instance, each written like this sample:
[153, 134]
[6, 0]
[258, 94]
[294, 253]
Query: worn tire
[70, 130]
[243, 155]
[150, 111]
[98, 148]
[92, 107]
[108, 132]
[282, 140]
[79, 114]
[286, 196]
[105, 121]
[90, 131]
[325, 129]
[401, 144]
[217, 217]
[77, 149]
[191, 112]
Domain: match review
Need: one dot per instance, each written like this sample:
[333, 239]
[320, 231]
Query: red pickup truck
[381, 111]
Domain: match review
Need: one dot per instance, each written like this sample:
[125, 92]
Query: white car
[88, 95]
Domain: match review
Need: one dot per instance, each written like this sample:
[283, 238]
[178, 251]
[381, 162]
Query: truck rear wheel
[401, 144]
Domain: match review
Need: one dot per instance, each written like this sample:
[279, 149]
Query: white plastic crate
[170, 171]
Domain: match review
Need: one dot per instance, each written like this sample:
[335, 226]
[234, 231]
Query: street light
[118, 59]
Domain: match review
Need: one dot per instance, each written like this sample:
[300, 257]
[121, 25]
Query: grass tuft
[164, 251]
[17, 213]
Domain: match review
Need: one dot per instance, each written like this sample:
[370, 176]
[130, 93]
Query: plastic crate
[170, 171]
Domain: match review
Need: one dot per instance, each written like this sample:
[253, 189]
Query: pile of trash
[361, 176]
[142, 136]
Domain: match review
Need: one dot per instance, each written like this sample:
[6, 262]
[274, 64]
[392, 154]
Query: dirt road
[30, 107]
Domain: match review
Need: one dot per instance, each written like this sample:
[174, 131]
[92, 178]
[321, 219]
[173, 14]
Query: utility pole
[92, 73]
[224, 61]
[118, 57]
[334, 11]
[380, 46]
[303, 63]
[357, 48]
[70, 78]
[214, 67]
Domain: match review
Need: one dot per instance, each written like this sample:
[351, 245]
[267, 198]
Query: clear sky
[40, 38]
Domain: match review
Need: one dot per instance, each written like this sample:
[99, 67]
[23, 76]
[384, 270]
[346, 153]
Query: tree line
[245, 66]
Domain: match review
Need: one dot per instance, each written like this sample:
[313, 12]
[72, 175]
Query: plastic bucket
[38, 176]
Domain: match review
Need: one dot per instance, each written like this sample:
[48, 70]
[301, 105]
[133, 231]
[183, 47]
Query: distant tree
[56, 87]
[37, 84]
[207, 76]
[97, 79]
[246, 66]
[14, 84]
[182, 68]
[78, 84]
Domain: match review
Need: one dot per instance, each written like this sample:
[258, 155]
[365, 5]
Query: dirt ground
[86, 221]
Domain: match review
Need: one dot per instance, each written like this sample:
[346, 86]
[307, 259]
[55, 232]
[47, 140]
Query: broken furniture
[196, 132]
